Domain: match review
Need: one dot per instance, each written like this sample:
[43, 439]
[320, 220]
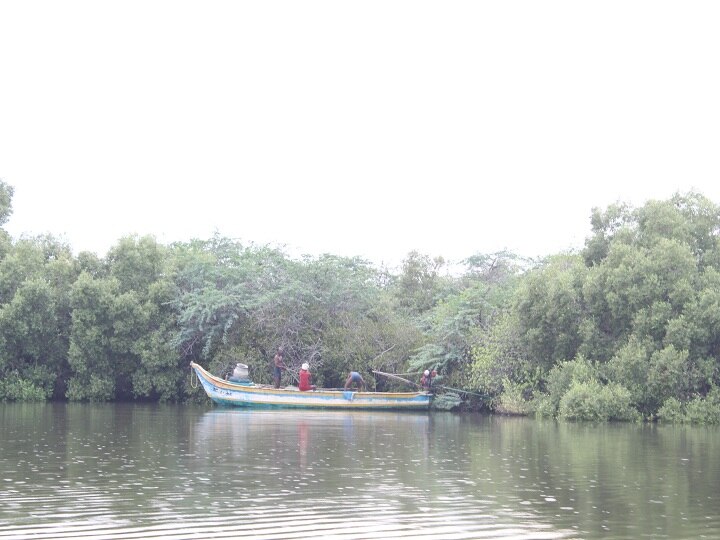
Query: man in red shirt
[305, 378]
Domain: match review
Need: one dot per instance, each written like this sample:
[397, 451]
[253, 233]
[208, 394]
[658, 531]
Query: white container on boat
[240, 372]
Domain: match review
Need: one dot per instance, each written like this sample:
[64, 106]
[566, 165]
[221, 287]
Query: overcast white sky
[366, 128]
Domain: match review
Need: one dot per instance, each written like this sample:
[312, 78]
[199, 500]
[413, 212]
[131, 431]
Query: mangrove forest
[627, 328]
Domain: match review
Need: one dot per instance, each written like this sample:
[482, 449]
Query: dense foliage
[628, 328]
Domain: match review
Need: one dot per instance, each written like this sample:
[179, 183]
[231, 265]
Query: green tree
[549, 305]
[33, 349]
[35, 279]
[106, 324]
[239, 303]
[611, 226]
[136, 262]
[465, 332]
[144, 271]
[6, 195]
[420, 284]
[640, 303]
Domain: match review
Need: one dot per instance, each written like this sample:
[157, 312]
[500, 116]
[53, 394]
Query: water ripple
[131, 472]
[289, 525]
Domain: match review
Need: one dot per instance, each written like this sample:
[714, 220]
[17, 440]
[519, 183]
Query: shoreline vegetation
[628, 328]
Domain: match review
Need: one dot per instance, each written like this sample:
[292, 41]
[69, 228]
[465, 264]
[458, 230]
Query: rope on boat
[193, 379]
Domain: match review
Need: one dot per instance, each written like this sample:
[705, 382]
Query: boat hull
[227, 393]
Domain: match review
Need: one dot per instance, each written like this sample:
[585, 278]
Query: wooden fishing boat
[249, 394]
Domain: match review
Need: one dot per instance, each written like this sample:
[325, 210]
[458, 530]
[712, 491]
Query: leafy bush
[705, 410]
[17, 389]
[631, 365]
[447, 401]
[699, 410]
[498, 354]
[672, 411]
[562, 376]
[595, 402]
[544, 406]
[512, 399]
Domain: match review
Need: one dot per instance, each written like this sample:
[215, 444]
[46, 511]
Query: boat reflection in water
[350, 474]
[312, 437]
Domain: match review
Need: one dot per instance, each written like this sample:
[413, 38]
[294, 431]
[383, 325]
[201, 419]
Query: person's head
[427, 372]
[280, 351]
[305, 366]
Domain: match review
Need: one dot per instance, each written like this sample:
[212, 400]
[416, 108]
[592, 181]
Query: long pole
[292, 374]
[391, 376]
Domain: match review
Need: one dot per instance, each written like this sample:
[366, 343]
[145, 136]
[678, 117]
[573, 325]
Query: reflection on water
[130, 471]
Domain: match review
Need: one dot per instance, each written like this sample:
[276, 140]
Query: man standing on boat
[278, 366]
[426, 379]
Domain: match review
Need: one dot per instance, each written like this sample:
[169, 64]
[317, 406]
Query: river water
[181, 472]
